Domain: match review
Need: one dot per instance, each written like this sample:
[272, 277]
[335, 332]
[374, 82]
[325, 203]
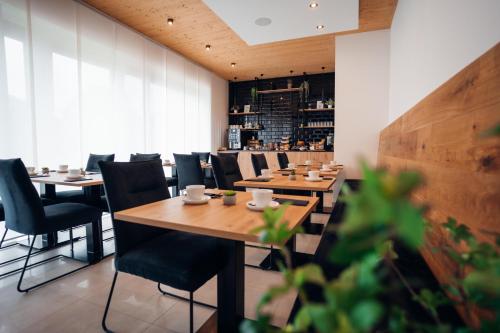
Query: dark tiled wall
[280, 111]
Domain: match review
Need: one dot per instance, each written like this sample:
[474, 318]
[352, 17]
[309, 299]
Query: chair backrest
[144, 157]
[234, 154]
[259, 162]
[226, 171]
[283, 160]
[205, 156]
[189, 170]
[22, 205]
[92, 162]
[132, 184]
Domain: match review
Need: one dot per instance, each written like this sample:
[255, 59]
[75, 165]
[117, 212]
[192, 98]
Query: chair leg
[37, 264]
[184, 299]
[103, 323]
[190, 312]
[72, 243]
[3, 237]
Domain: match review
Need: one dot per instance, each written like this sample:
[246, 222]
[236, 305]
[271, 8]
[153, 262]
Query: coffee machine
[234, 138]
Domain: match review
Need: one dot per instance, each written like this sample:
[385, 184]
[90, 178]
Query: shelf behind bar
[277, 91]
[317, 127]
[245, 113]
[317, 110]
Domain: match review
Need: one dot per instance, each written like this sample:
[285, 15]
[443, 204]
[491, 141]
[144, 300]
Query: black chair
[203, 156]
[283, 160]
[226, 171]
[259, 162]
[78, 196]
[189, 170]
[180, 260]
[144, 157]
[25, 213]
[234, 154]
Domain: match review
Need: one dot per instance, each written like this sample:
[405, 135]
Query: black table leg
[94, 241]
[231, 288]
[319, 207]
[94, 230]
[48, 191]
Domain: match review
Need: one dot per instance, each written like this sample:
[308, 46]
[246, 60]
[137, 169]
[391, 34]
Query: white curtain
[74, 82]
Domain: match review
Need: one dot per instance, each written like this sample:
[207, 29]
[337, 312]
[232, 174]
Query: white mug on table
[31, 170]
[266, 173]
[313, 174]
[74, 173]
[291, 165]
[262, 197]
[63, 167]
[308, 162]
[195, 192]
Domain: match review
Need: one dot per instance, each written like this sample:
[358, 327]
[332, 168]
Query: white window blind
[74, 82]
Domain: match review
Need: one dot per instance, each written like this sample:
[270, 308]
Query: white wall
[361, 96]
[431, 40]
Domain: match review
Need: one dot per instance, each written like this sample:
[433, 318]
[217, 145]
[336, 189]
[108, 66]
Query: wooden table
[92, 192]
[232, 226]
[302, 171]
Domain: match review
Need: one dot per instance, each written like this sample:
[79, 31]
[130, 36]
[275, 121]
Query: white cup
[308, 162]
[291, 165]
[325, 167]
[313, 174]
[31, 170]
[266, 173]
[195, 192]
[333, 162]
[74, 173]
[63, 167]
[262, 197]
[167, 161]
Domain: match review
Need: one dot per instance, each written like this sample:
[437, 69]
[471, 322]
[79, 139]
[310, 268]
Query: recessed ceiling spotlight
[313, 4]
[170, 21]
[207, 47]
[263, 21]
[320, 26]
[233, 64]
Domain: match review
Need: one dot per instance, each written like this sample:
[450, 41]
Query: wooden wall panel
[441, 138]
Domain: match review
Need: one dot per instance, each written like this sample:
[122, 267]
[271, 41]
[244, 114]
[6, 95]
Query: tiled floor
[76, 303]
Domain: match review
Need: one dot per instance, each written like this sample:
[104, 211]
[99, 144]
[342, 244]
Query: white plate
[203, 200]
[313, 179]
[33, 174]
[325, 170]
[272, 204]
[74, 178]
[262, 177]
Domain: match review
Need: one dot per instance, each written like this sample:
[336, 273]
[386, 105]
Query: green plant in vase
[229, 197]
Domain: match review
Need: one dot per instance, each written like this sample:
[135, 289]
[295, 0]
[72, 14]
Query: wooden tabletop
[281, 182]
[214, 218]
[203, 166]
[56, 178]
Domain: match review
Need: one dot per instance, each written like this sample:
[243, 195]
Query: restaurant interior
[249, 166]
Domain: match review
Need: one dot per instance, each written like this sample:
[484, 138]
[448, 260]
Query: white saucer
[74, 178]
[272, 204]
[33, 174]
[313, 179]
[196, 202]
[326, 170]
[262, 177]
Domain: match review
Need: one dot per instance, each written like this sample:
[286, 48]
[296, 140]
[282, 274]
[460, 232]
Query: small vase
[229, 200]
[292, 177]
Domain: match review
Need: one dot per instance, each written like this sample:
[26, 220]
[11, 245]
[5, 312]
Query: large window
[73, 82]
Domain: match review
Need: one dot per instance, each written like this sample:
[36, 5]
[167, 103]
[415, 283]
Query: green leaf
[309, 273]
[366, 314]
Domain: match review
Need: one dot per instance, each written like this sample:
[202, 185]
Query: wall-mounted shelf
[250, 129]
[245, 113]
[317, 110]
[318, 127]
[277, 91]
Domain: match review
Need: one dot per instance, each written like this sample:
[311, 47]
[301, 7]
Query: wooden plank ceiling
[195, 25]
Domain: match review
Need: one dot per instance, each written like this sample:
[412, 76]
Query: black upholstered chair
[25, 213]
[234, 154]
[180, 260]
[226, 171]
[203, 156]
[283, 160]
[189, 170]
[144, 157]
[78, 196]
[259, 162]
